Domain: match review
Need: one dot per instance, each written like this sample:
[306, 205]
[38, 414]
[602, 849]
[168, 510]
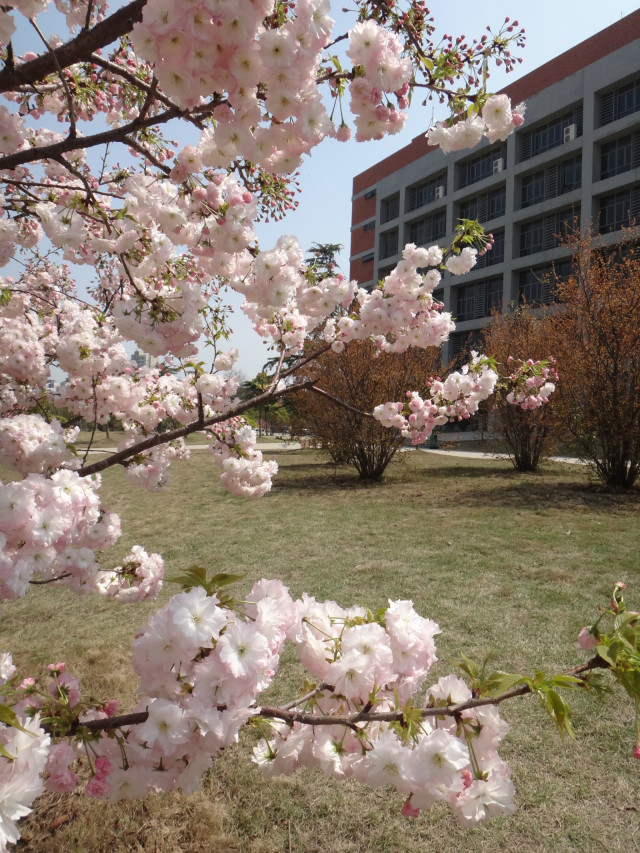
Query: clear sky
[324, 213]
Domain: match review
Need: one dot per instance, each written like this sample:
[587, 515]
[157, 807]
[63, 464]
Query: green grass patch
[506, 563]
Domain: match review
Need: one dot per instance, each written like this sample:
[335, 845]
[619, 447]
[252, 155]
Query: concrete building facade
[575, 159]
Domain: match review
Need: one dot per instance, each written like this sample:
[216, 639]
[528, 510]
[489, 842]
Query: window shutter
[577, 119]
[412, 202]
[551, 181]
[483, 207]
[478, 301]
[634, 206]
[635, 150]
[606, 108]
[549, 239]
[547, 289]
[525, 146]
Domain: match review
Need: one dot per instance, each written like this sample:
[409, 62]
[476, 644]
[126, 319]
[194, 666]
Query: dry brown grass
[509, 563]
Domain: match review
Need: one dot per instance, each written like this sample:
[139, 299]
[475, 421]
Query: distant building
[577, 155]
[143, 359]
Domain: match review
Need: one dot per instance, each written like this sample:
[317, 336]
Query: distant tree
[528, 435]
[597, 342]
[268, 415]
[347, 434]
[322, 258]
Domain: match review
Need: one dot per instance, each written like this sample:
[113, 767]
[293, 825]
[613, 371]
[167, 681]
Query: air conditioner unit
[498, 165]
[569, 133]
[439, 192]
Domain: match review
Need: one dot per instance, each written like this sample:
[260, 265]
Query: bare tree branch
[76, 50]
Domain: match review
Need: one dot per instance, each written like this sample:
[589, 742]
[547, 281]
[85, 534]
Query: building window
[389, 243]
[370, 194]
[438, 295]
[620, 155]
[531, 237]
[556, 179]
[478, 300]
[618, 209]
[369, 226]
[390, 208]
[552, 133]
[538, 286]
[620, 102]
[367, 258]
[433, 189]
[384, 272]
[460, 346]
[427, 229]
[491, 162]
[484, 207]
[549, 231]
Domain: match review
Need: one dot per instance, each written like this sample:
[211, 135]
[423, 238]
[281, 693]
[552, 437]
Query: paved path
[470, 454]
[271, 446]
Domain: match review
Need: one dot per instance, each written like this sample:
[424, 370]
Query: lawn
[506, 563]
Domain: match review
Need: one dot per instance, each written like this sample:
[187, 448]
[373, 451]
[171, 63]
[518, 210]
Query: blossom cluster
[531, 383]
[202, 668]
[497, 121]
[456, 398]
[21, 774]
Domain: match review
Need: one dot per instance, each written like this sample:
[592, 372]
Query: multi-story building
[575, 159]
[143, 359]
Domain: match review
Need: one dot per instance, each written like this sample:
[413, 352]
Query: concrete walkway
[470, 454]
[271, 446]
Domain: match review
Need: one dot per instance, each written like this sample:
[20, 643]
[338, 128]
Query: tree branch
[117, 134]
[114, 68]
[76, 50]
[290, 715]
[128, 453]
[340, 402]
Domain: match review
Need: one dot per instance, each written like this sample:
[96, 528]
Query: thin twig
[65, 85]
[340, 402]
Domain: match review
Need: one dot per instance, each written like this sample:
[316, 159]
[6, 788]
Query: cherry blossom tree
[93, 183]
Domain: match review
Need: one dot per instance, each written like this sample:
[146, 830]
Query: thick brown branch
[73, 51]
[128, 453]
[116, 134]
[290, 715]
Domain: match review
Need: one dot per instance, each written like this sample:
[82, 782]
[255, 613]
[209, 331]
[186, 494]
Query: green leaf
[570, 682]
[560, 713]
[500, 682]
[9, 717]
[225, 578]
[192, 577]
[469, 666]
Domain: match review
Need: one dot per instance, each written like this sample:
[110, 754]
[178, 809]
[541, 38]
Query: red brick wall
[361, 272]
[362, 208]
[362, 240]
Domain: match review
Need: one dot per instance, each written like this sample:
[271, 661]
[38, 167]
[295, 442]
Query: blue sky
[324, 213]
